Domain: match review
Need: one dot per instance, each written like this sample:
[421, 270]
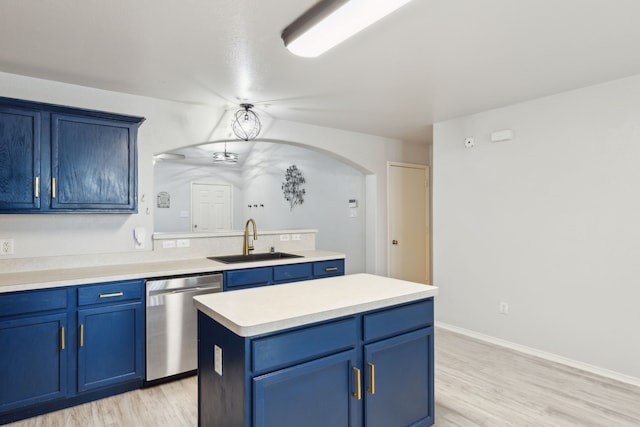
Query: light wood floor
[477, 384]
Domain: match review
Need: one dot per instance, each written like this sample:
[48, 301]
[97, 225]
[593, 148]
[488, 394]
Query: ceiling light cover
[330, 22]
[225, 157]
[246, 124]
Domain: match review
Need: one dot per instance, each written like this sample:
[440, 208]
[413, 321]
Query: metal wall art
[292, 186]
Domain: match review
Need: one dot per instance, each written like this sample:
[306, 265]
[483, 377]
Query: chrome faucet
[247, 248]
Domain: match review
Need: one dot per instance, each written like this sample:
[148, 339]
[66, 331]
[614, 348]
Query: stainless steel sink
[267, 256]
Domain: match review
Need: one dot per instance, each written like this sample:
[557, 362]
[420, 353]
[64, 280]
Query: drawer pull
[357, 393]
[372, 368]
[331, 269]
[111, 295]
[36, 187]
[62, 338]
[81, 335]
[53, 188]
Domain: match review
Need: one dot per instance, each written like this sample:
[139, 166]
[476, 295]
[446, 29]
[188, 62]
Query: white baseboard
[543, 354]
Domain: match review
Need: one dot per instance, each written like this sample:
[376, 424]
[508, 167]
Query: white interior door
[408, 248]
[211, 207]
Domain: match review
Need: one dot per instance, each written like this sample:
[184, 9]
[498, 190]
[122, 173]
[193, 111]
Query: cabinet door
[19, 159]
[111, 345]
[398, 385]
[313, 394]
[93, 163]
[33, 360]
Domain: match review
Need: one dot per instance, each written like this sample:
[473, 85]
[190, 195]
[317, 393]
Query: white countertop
[22, 281]
[256, 311]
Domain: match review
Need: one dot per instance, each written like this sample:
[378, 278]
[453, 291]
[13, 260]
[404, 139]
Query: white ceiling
[429, 61]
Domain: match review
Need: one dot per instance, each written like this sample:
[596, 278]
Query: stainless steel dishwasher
[171, 323]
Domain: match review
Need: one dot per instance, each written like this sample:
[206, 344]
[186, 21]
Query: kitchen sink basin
[267, 256]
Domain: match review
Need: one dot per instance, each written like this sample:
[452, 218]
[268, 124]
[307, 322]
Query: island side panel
[222, 399]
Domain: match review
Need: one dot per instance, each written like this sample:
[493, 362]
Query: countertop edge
[46, 279]
[314, 316]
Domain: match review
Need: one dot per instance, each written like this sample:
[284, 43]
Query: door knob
[394, 242]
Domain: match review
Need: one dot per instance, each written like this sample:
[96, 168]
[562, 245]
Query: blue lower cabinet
[323, 374]
[286, 273]
[111, 345]
[313, 394]
[33, 360]
[334, 267]
[60, 348]
[399, 381]
[247, 278]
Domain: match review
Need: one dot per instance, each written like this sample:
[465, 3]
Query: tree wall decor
[292, 186]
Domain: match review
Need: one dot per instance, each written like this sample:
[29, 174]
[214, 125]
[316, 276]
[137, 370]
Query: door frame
[429, 210]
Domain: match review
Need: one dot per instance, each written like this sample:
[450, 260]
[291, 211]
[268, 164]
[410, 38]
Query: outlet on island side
[504, 307]
[6, 246]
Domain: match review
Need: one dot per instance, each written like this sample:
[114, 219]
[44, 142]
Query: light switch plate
[139, 236]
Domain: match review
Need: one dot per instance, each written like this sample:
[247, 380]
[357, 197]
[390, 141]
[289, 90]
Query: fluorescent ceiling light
[330, 22]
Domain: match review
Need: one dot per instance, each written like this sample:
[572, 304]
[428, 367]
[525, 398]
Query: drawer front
[32, 301]
[288, 348]
[106, 293]
[292, 272]
[397, 320]
[249, 276]
[334, 267]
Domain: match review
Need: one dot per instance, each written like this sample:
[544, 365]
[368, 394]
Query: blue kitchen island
[353, 350]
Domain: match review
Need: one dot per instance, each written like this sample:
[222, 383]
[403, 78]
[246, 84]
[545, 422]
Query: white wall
[548, 222]
[171, 125]
[329, 186]
[167, 125]
[330, 183]
[370, 154]
[175, 178]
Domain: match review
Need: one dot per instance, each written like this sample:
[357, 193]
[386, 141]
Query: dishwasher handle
[212, 289]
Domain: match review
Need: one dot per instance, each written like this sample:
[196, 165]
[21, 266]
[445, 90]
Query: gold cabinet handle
[81, 335]
[62, 338]
[53, 188]
[372, 369]
[357, 393]
[111, 295]
[331, 269]
[36, 189]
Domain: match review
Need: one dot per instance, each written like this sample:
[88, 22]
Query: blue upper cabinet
[19, 158]
[60, 159]
[93, 163]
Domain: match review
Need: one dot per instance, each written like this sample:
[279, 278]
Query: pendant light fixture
[246, 124]
[330, 22]
[225, 157]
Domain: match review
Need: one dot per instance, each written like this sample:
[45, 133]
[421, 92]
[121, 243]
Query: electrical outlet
[168, 244]
[6, 247]
[504, 308]
[183, 243]
[284, 237]
[295, 237]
